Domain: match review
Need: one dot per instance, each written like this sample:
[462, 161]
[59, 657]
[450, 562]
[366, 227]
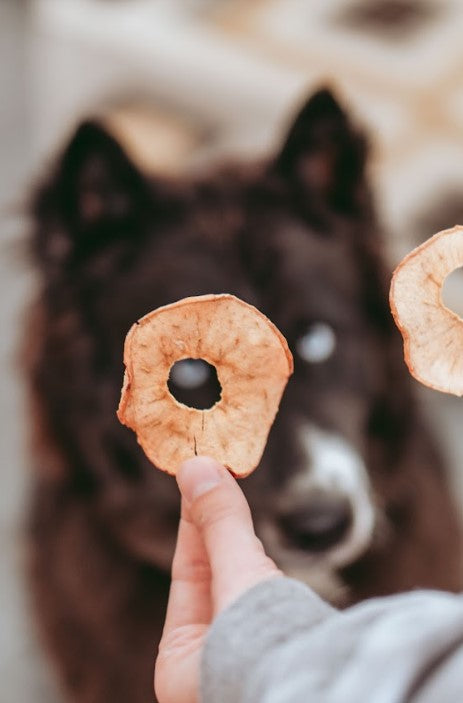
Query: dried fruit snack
[253, 364]
[433, 334]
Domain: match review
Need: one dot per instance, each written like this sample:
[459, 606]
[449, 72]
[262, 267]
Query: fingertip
[199, 475]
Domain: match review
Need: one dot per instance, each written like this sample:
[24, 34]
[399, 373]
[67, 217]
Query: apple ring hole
[194, 383]
[452, 291]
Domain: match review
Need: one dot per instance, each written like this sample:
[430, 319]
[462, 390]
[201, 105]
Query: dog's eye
[190, 373]
[317, 344]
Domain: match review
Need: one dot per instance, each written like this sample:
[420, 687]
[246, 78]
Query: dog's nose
[320, 523]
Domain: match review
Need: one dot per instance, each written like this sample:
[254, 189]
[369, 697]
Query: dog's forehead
[302, 248]
[178, 259]
[319, 272]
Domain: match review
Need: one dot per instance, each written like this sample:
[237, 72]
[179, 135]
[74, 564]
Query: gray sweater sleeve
[280, 643]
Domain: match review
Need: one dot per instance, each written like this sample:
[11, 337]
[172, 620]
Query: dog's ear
[323, 158]
[95, 196]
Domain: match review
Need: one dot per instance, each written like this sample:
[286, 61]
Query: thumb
[216, 505]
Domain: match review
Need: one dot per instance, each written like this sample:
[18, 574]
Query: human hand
[217, 558]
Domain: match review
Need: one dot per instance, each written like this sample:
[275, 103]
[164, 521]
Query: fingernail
[197, 476]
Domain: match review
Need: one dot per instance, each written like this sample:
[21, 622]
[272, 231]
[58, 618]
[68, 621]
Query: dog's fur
[350, 494]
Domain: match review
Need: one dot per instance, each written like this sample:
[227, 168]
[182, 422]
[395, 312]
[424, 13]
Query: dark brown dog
[350, 495]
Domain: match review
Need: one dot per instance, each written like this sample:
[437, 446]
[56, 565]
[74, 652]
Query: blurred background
[182, 82]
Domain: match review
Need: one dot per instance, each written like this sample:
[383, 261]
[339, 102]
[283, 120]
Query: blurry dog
[350, 495]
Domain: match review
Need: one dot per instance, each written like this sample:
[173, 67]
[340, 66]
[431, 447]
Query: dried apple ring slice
[253, 364]
[433, 334]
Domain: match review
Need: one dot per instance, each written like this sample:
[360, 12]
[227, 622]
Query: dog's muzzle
[325, 515]
[322, 522]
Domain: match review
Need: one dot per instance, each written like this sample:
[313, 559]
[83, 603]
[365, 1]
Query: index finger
[189, 596]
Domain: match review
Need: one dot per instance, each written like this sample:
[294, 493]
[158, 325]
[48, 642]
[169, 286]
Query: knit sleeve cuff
[258, 621]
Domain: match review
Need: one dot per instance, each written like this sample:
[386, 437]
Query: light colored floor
[23, 673]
